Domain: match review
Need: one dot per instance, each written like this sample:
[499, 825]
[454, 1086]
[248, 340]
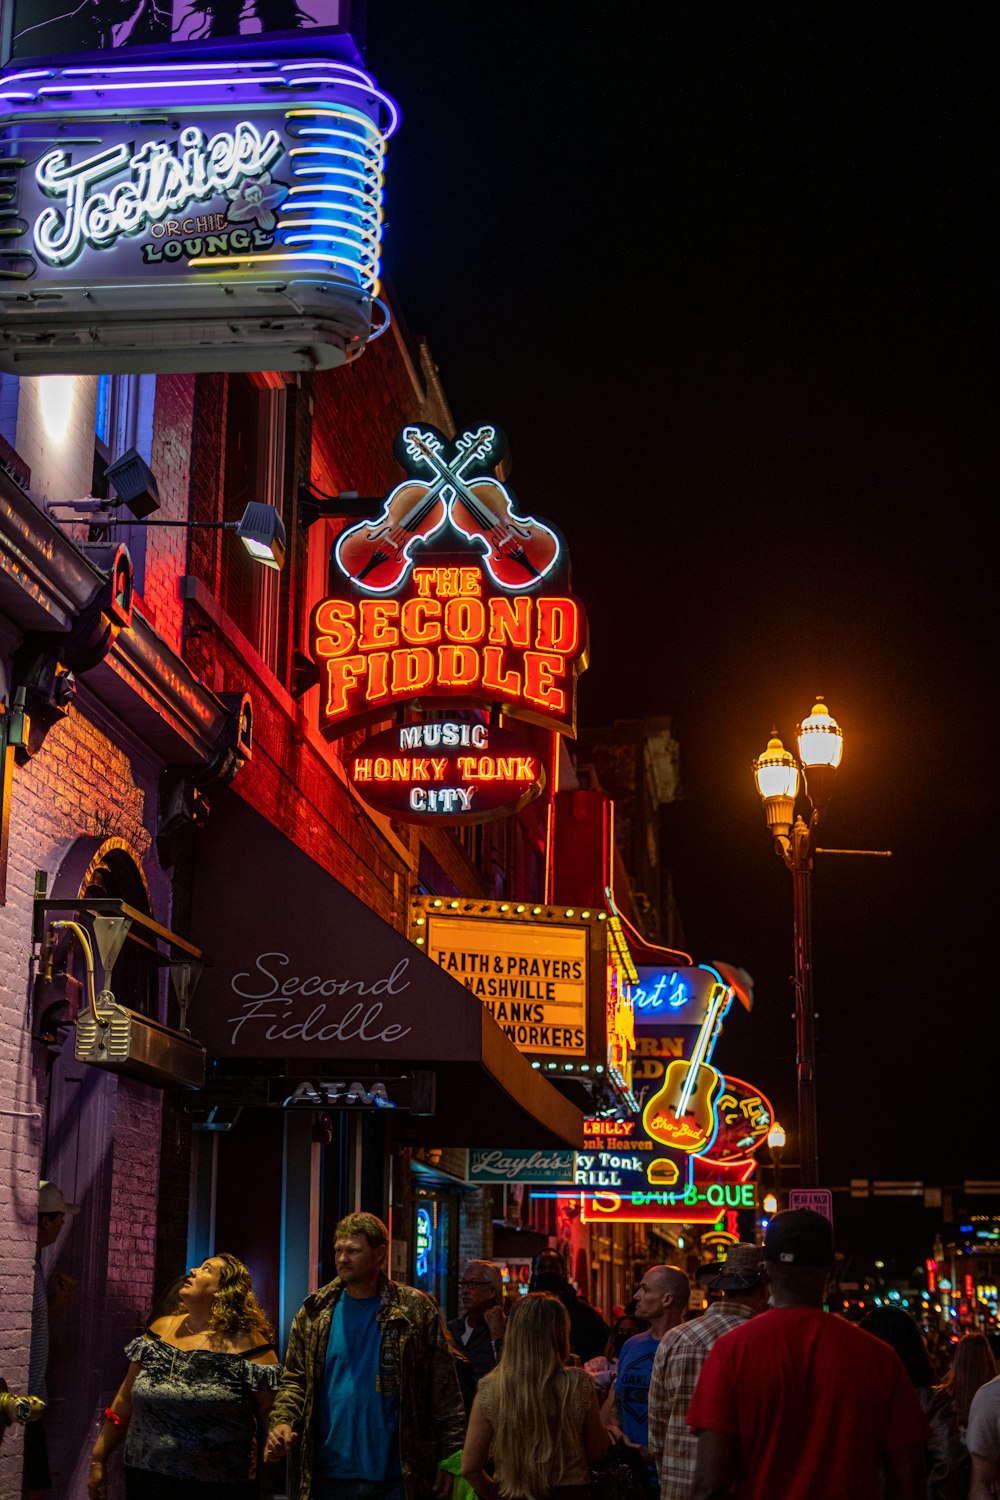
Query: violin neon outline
[382, 546]
[497, 553]
[376, 536]
[700, 1085]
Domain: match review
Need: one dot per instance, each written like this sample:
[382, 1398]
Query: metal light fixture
[134, 483]
[262, 533]
[778, 777]
[260, 528]
[776, 772]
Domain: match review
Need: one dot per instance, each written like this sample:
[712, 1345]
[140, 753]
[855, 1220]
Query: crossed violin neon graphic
[517, 551]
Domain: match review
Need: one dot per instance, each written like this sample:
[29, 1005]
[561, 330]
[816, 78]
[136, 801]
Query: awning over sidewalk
[305, 976]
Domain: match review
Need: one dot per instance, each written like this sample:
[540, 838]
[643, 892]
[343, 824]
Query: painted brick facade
[79, 786]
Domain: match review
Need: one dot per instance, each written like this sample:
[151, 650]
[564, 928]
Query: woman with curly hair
[538, 1419]
[200, 1382]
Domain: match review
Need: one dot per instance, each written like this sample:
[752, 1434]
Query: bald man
[661, 1299]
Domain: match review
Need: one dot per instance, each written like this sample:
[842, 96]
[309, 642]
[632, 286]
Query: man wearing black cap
[798, 1403]
[588, 1332]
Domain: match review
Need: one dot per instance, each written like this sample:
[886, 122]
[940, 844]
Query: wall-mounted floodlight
[260, 528]
[134, 483]
[262, 533]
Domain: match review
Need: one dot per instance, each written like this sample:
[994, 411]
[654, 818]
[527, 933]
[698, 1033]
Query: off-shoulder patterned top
[194, 1415]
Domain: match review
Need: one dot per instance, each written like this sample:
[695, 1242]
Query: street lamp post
[776, 1143]
[779, 777]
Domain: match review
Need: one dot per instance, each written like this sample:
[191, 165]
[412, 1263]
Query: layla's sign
[521, 1166]
[446, 773]
[487, 621]
[248, 229]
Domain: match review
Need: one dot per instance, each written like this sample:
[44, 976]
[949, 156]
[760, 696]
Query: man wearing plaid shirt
[679, 1359]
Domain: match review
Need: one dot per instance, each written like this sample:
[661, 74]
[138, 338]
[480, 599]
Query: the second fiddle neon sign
[449, 595]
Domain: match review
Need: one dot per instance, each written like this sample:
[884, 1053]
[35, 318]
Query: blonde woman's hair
[536, 1435]
[235, 1309]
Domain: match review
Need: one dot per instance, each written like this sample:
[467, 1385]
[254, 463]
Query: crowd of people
[765, 1395]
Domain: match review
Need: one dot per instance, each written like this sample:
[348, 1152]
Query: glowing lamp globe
[776, 772]
[776, 1136]
[821, 739]
[770, 1204]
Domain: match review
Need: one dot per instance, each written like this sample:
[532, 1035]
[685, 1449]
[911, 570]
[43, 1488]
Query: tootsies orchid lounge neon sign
[485, 618]
[241, 230]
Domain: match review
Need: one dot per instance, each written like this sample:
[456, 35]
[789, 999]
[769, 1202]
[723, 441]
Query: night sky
[720, 272]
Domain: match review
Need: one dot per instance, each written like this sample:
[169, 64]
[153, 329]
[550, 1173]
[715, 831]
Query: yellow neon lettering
[495, 681]
[540, 672]
[375, 627]
[417, 629]
[333, 628]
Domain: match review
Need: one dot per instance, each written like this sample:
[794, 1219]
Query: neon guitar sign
[681, 1114]
[449, 597]
[518, 551]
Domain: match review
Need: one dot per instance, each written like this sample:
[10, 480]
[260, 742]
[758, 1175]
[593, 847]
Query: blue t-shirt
[635, 1369]
[359, 1425]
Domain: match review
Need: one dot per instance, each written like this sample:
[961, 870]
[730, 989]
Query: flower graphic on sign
[256, 199]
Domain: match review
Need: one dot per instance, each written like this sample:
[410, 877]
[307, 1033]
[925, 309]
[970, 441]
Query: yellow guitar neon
[681, 1114]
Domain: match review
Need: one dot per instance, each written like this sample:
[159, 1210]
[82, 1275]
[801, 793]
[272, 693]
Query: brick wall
[167, 546]
[55, 433]
[79, 785]
[475, 1227]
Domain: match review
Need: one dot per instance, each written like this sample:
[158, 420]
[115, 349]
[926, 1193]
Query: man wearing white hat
[681, 1355]
[52, 1212]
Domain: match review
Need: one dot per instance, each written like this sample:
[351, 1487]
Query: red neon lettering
[341, 676]
[439, 765]
[334, 627]
[458, 666]
[464, 619]
[558, 626]
[510, 618]
[363, 770]
[540, 672]
[412, 671]
[378, 676]
[382, 768]
[375, 627]
[496, 683]
[416, 629]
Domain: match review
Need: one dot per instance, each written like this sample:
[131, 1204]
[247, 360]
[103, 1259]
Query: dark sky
[721, 273]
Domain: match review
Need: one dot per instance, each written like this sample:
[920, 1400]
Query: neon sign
[682, 1112]
[697, 1203]
[446, 773]
[425, 1240]
[161, 182]
[486, 622]
[267, 193]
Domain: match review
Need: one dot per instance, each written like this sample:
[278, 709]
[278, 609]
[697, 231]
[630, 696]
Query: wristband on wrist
[114, 1417]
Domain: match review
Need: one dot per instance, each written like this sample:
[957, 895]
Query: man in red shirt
[798, 1404]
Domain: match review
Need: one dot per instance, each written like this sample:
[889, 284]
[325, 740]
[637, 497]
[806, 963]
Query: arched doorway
[102, 1149]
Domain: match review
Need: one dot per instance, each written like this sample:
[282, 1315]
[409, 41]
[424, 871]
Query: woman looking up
[539, 1419]
[199, 1383]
